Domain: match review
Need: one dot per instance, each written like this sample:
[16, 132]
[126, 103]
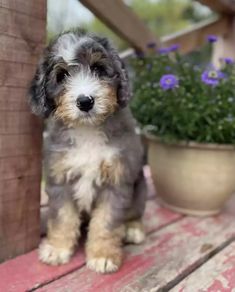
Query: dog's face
[80, 79]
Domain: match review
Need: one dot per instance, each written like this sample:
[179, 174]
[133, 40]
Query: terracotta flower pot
[192, 178]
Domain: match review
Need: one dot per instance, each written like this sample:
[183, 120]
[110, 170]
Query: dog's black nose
[85, 102]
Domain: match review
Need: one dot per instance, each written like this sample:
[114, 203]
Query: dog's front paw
[52, 255]
[104, 265]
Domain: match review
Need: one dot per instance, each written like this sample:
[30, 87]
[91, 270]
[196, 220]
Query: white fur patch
[86, 83]
[134, 235]
[102, 265]
[66, 46]
[85, 159]
[52, 255]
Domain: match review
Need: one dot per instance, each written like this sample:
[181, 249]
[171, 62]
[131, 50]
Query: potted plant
[187, 112]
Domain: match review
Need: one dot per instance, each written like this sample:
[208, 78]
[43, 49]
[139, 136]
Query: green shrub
[182, 100]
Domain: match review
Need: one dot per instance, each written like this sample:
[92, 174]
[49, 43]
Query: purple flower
[212, 77]
[169, 81]
[151, 45]
[174, 48]
[228, 61]
[163, 51]
[212, 38]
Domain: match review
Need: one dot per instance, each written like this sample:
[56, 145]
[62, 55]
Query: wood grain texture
[22, 36]
[15, 75]
[36, 9]
[18, 122]
[19, 50]
[24, 144]
[16, 99]
[122, 20]
[167, 256]
[26, 272]
[21, 26]
[218, 274]
[19, 166]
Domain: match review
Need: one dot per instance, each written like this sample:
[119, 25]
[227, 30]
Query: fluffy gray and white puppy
[93, 158]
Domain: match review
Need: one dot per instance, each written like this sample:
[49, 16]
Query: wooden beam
[220, 6]
[119, 17]
[193, 37]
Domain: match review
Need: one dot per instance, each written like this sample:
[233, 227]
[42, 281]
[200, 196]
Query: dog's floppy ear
[123, 91]
[40, 104]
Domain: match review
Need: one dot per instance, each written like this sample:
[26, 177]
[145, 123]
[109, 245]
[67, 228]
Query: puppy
[93, 158]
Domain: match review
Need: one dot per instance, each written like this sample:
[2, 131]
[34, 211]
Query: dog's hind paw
[134, 235]
[52, 255]
[134, 232]
[102, 265]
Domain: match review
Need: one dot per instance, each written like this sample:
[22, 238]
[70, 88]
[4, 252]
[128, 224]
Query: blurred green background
[163, 17]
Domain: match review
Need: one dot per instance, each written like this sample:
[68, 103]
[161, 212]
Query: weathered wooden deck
[181, 253]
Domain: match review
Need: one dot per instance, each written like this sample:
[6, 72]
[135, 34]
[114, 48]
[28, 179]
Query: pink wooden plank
[25, 272]
[157, 217]
[217, 275]
[171, 253]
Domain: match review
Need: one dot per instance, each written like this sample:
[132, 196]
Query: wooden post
[225, 45]
[22, 34]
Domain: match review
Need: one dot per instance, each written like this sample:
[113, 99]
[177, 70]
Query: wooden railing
[122, 20]
[192, 37]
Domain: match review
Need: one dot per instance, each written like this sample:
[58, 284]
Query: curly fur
[93, 159]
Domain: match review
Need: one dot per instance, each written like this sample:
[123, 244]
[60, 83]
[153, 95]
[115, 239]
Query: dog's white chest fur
[84, 159]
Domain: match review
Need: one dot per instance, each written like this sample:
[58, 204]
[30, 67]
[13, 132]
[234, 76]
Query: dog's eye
[61, 75]
[99, 69]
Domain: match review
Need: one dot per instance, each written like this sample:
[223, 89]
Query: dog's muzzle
[85, 102]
